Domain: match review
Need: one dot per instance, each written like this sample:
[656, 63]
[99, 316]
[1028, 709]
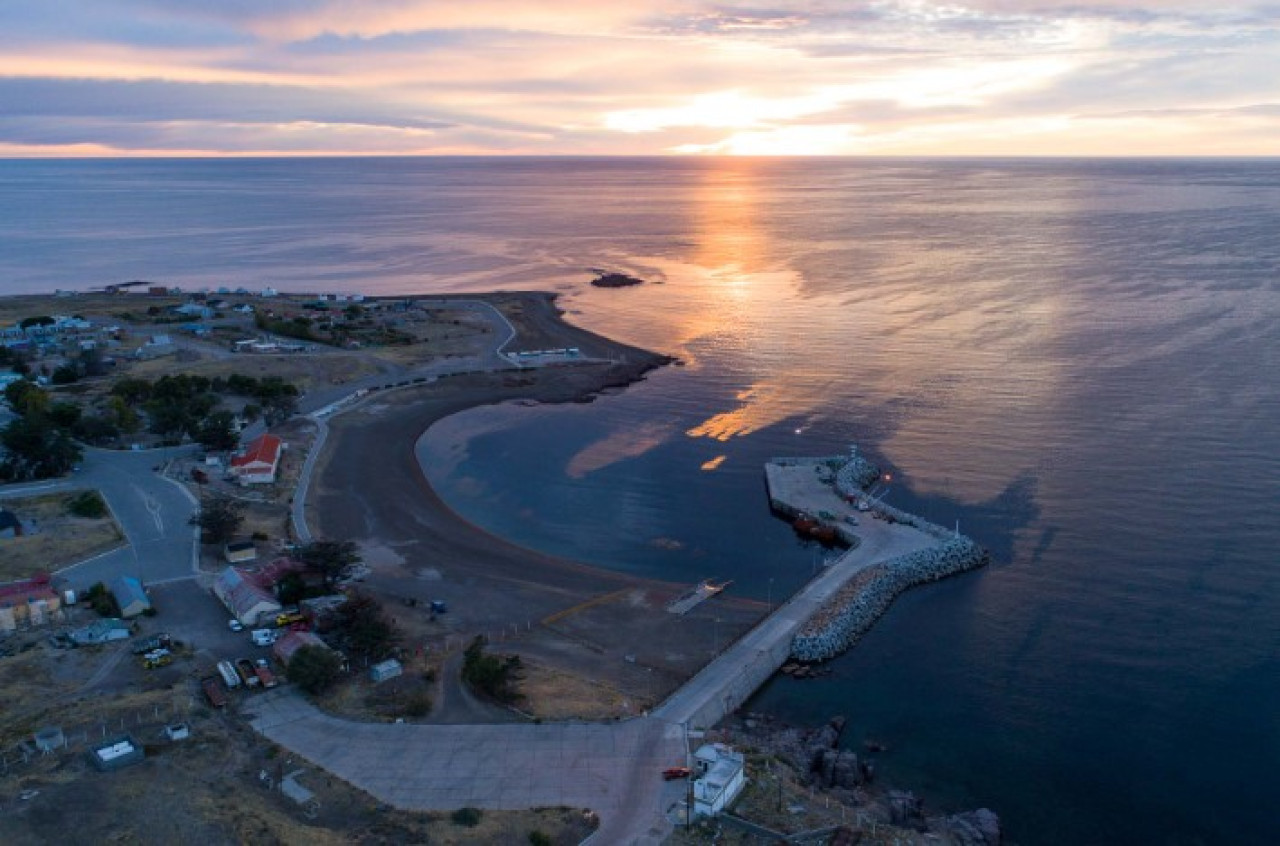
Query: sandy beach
[570, 617]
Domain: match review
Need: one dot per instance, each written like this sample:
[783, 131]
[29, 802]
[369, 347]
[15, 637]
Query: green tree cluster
[219, 518]
[364, 628]
[37, 445]
[314, 668]
[329, 558]
[491, 675]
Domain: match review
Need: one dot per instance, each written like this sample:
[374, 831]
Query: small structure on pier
[719, 777]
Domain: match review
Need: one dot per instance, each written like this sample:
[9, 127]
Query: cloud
[647, 76]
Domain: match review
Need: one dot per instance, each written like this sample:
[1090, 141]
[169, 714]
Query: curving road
[153, 511]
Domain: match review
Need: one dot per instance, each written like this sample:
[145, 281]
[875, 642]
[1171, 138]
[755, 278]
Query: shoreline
[579, 617]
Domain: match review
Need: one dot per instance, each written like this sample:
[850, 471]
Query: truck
[245, 668]
[156, 658]
[213, 691]
[264, 673]
[228, 673]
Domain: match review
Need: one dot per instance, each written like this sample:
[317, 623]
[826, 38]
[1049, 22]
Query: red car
[673, 773]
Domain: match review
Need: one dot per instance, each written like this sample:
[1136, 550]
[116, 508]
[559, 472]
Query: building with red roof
[258, 462]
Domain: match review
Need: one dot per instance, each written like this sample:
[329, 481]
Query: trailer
[213, 692]
[228, 673]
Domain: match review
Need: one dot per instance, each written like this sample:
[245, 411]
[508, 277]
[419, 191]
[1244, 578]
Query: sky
[638, 77]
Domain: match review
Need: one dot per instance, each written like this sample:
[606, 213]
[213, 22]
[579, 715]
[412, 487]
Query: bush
[419, 705]
[314, 668]
[470, 817]
[538, 838]
[88, 504]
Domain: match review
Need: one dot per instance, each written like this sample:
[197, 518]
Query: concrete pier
[891, 551]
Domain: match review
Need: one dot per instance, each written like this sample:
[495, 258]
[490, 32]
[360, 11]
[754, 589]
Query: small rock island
[615, 280]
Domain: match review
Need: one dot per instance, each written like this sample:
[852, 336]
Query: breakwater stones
[847, 615]
[855, 475]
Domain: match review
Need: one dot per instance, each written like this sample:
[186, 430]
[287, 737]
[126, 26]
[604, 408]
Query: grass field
[61, 538]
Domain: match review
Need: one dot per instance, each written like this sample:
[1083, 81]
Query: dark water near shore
[1076, 360]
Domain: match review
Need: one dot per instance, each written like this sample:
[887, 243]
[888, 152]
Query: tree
[65, 374]
[38, 320]
[95, 429]
[125, 417]
[64, 415]
[491, 675]
[314, 668]
[36, 449]
[279, 408]
[365, 628]
[219, 518]
[27, 398]
[329, 558]
[217, 432]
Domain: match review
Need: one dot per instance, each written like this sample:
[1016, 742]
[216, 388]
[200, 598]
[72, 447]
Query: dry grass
[308, 371]
[62, 539]
[553, 694]
[202, 790]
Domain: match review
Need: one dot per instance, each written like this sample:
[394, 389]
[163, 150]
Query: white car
[235, 625]
[264, 637]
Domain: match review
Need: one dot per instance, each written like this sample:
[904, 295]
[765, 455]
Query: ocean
[1073, 359]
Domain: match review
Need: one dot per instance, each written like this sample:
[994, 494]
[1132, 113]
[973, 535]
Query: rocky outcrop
[974, 828]
[842, 621]
[854, 476]
[615, 280]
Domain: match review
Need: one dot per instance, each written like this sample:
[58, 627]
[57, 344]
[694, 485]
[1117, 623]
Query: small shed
[240, 551]
[116, 753]
[384, 670]
[130, 596]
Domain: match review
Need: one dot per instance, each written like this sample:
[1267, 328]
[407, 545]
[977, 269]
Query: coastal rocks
[974, 828]
[615, 280]
[828, 765]
[853, 477]
[905, 809]
[850, 612]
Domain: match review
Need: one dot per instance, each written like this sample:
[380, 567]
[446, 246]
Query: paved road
[153, 511]
[612, 768]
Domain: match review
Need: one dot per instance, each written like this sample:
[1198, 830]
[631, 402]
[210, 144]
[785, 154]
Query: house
[258, 462]
[130, 596]
[238, 552]
[243, 598]
[286, 646]
[29, 602]
[100, 631]
[159, 345]
[10, 525]
[388, 669]
[718, 778]
[202, 312]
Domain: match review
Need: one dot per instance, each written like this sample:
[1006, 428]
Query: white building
[719, 776]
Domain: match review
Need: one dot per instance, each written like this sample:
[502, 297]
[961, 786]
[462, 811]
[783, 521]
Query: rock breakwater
[847, 615]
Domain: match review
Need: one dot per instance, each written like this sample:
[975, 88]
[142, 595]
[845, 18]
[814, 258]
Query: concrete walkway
[612, 768]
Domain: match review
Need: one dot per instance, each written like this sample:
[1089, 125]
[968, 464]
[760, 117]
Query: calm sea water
[1076, 360]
